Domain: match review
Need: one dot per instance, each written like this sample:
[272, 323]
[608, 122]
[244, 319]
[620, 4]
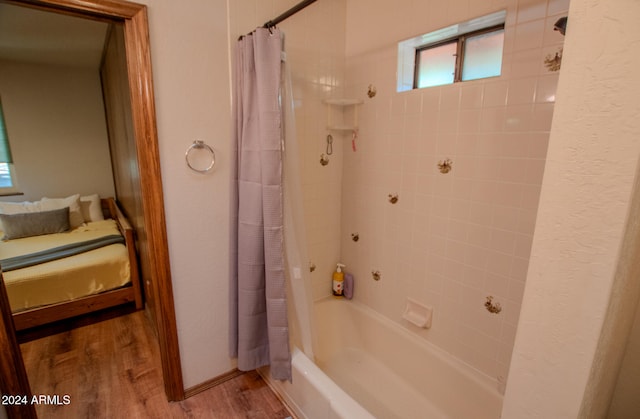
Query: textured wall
[585, 202]
[191, 86]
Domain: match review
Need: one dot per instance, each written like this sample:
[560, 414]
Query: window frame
[13, 189]
[460, 41]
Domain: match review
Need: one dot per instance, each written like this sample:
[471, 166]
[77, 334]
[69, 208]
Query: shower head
[561, 25]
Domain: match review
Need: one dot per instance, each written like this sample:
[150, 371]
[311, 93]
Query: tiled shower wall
[454, 239]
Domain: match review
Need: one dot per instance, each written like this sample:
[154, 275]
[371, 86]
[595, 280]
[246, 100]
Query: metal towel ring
[199, 145]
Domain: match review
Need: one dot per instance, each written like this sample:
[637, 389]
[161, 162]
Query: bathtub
[367, 366]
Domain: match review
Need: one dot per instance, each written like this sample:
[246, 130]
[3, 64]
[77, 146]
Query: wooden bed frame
[129, 294]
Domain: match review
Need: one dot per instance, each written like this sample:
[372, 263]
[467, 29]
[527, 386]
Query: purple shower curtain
[259, 332]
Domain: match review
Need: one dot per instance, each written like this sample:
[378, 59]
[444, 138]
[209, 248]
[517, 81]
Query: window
[6, 180]
[468, 57]
[466, 51]
[436, 65]
[7, 176]
[483, 55]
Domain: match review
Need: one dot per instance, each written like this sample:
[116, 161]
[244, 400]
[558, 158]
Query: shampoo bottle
[338, 281]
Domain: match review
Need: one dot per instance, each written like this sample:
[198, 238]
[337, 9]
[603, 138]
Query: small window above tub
[465, 51]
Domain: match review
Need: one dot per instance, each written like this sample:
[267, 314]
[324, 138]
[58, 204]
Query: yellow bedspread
[69, 278]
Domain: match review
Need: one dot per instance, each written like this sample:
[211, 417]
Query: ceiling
[38, 37]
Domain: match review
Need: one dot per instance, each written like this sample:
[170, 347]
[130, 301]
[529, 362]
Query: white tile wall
[452, 239]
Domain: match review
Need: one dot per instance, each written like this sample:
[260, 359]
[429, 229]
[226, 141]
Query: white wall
[584, 210]
[191, 85]
[57, 130]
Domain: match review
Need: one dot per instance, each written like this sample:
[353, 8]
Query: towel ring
[199, 145]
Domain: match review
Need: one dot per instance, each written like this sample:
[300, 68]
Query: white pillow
[73, 202]
[18, 208]
[91, 208]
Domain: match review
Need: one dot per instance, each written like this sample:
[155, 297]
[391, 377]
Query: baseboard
[192, 391]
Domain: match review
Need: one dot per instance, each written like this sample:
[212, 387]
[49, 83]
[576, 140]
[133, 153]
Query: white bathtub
[384, 370]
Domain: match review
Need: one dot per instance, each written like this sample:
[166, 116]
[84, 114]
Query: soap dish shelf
[342, 103]
[418, 314]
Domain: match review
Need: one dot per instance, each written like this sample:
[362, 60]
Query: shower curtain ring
[270, 25]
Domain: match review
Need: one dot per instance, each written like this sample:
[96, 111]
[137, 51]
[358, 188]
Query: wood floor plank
[112, 369]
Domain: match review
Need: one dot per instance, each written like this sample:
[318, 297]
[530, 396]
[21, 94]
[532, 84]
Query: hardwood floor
[112, 369]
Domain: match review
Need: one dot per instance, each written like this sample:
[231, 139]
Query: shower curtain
[259, 332]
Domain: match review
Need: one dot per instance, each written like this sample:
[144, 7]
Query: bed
[63, 274]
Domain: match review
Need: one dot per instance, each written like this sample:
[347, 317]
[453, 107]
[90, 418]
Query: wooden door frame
[13, 376]
[136, 28]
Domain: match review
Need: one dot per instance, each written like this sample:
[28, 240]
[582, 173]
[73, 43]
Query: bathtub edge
[332, 401]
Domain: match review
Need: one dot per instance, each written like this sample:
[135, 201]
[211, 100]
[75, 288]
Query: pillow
[73, 202]
[18, 207]
[35, 223]
[91, 208]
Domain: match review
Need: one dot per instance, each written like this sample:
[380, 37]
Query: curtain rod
[295, 9]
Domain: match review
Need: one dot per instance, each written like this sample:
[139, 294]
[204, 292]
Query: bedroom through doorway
[134, 172]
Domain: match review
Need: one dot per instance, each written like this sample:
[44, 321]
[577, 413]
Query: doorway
[154, 241]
